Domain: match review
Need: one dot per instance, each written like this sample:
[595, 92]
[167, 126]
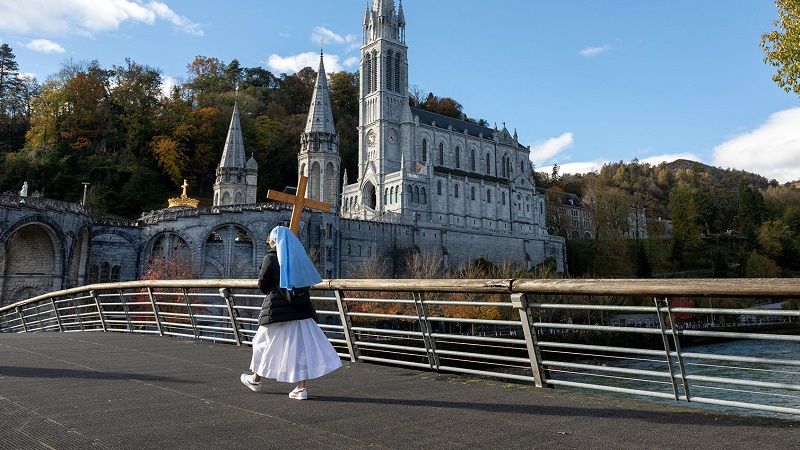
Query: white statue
[24, 191]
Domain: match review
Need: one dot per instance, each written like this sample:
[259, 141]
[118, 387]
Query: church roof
[233, 155]
[428, 118]
[320, 117]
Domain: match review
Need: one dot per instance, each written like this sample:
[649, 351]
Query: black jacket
[276, 307]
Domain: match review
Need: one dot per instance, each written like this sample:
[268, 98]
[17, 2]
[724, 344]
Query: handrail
[707, 287]
[543, 332]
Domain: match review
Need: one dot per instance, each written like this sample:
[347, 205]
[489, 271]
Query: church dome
[251, 164]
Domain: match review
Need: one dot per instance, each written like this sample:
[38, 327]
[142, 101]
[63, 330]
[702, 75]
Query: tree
[782, 46]
[8, 69]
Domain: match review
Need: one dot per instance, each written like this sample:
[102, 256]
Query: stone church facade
[426, 183]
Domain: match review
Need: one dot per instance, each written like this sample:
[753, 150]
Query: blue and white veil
[297, 270]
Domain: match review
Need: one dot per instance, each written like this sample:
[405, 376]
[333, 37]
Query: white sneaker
[247, 380]
[299, 394]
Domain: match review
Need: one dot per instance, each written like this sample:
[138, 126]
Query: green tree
[782, 46]
[759, 266]
[9, 69]
[686, 233]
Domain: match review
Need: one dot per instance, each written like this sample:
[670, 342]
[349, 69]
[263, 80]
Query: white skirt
[293, 351]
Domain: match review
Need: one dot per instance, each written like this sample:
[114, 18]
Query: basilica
[425, 183]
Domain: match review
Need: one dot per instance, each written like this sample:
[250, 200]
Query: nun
[289, 346]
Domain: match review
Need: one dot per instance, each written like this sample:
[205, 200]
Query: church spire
[320, 116]
[401, 17]
[233, 154]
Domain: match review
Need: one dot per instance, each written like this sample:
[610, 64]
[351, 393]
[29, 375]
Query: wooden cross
[299, 201]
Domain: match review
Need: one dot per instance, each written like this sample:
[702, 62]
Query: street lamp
[85, 187]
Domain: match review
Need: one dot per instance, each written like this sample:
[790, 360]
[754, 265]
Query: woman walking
[289, 346]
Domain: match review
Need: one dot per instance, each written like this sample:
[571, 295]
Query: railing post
[347, 325]
[520, 302]
[226, 294]
[678, 354]
[659, 303]
[155, 311]
[22, 318]
[78, 313]
[126, 309]
[427, 332]
[99, 309]
[191, 314]
[58, 317]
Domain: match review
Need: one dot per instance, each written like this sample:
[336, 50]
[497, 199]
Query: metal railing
[700, 341]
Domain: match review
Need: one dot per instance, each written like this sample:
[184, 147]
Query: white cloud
[544, 151]
[292, 64]
[351, 61]
[669, 157]
[44, 46]
[167, 83]
[597, 164]
[594, 51]
[771, 150]
[85, 17]
[574, 167]
[322, 36]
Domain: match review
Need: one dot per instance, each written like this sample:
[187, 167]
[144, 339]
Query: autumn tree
[782, 46]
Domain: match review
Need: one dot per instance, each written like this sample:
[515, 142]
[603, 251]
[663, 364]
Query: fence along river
[529, 331]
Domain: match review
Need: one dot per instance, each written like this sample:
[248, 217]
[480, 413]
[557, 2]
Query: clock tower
[383, 99]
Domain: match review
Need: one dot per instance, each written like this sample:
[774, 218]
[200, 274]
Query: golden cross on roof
[299, 201]
[184, 186]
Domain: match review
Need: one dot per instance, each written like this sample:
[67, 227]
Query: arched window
[115, 273]
[397, 73]
[488, 164]
[416, 194]
[389, 71]
[409, 194]
[456, 191]
[458, 157]
[503, 166]
[472, 160]
[422, 197]
[441, 153]
[386, 196]
[439, 187]
[472, 192]
[504, 198]
[374, 82]
[105, 272]
[368, 73]
[424, 150]
[488, 195]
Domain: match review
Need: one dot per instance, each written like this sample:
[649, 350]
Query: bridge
[156, 363]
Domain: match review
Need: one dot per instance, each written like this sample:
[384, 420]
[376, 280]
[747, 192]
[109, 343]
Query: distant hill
[723, 176]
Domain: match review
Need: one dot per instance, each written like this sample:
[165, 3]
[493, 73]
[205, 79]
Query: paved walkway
[108, 390]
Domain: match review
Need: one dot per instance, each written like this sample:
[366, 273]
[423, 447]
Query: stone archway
[369, 195]
[229, 252]
[32, 263]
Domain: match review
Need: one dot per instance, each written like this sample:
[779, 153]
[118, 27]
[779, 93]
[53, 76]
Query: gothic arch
[369, 195]
[32, 260]
[230, 246]
[314, 182]
[331, 177]
[169, 244]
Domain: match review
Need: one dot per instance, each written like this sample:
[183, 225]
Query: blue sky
[583, 82]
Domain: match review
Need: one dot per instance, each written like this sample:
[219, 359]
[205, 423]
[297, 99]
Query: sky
[584, 82]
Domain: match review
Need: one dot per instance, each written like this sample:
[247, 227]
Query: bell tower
[383, 94]
[319, 157]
